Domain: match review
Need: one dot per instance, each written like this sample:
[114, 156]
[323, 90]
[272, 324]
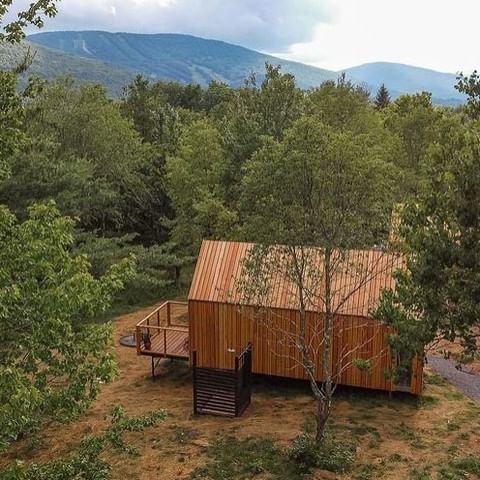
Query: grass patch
[245, 459]
[420, 474]
[435, 379]
[183, 435]
[369, 472]
[426, 401]
[408, 434]
[460, 468]
[449, 395]
[235, 459]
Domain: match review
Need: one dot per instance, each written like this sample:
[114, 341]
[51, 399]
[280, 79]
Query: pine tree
[382, 99]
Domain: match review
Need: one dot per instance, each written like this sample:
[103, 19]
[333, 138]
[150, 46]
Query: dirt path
[467, 381]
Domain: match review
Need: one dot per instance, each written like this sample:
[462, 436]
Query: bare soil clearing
[398, 436]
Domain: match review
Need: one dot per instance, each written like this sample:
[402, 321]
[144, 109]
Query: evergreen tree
[382, 99]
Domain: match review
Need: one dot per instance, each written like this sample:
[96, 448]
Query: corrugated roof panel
[357, 285]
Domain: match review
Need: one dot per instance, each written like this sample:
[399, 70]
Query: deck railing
[163, 327]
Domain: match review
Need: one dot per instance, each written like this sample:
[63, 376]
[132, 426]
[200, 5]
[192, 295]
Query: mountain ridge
[50, 64]
[177, 57]
[190, 59]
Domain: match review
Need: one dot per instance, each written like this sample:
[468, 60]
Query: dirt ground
[397, 434]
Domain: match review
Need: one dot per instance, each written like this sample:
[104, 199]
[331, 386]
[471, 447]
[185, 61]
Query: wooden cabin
[223, 330]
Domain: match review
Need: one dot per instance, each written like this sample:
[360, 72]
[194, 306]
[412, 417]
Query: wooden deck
[168, 337]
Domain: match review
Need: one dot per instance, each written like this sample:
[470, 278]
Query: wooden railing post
[138, 339]
[158, 318]
[165, 342]
[168, 314]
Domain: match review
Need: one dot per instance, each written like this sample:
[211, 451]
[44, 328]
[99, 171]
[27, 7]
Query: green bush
[304, 452]
[335, 456]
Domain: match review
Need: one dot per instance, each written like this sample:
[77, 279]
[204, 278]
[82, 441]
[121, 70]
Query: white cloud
[260, 24]
[335, 34]
[438, 34]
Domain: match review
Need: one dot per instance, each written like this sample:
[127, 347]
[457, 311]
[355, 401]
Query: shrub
[304, 452]
[335, 456]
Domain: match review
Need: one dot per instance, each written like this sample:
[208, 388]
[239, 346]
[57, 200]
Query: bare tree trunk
[325, 401]
[323, 412]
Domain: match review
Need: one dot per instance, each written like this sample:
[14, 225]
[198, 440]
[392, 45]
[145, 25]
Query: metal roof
[359, 278]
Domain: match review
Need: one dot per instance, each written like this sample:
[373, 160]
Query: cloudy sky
[334, 34]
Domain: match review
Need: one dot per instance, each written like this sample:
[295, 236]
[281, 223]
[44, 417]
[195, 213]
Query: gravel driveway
[467, 382]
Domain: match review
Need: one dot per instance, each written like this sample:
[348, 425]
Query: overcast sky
[334, 34]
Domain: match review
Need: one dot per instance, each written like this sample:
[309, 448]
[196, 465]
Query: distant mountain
[400, 78]
[182, 58]
[50, 64]
[188, 59]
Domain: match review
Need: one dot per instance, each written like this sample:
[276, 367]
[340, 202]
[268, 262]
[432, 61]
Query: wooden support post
[153, 369]
[168, 314]
[194, 361]
[237, 390]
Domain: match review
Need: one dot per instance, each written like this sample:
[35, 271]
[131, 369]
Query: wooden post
[168, 314]
[158, 318]
[194, 361]
[165, 342]
[138, 339]
[237, 392]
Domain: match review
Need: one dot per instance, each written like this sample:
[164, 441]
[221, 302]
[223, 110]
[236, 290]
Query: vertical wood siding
[219, 331]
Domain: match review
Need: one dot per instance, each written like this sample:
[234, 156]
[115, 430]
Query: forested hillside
[169, 164]
[50, 64]
[401, 78]
[189, 59]
[180, 58]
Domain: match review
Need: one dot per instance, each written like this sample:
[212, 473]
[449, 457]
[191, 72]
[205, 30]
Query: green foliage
[362, 364]
[333, 455]
[470, 86]
[11, 118]
[413, 122]
[32, 16]
[158, 267]
[460, 468]
[340, 200]
[86, 462]
[120, 424]
[369, 472]
[195, 176]
[52, 360]
[437, 294]
[245, 459]
[382, 99]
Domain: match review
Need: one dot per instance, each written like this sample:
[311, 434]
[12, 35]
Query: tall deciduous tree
[52, 360]
[195, 181]
[470, 86]
[437, 295]
[314, 196]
